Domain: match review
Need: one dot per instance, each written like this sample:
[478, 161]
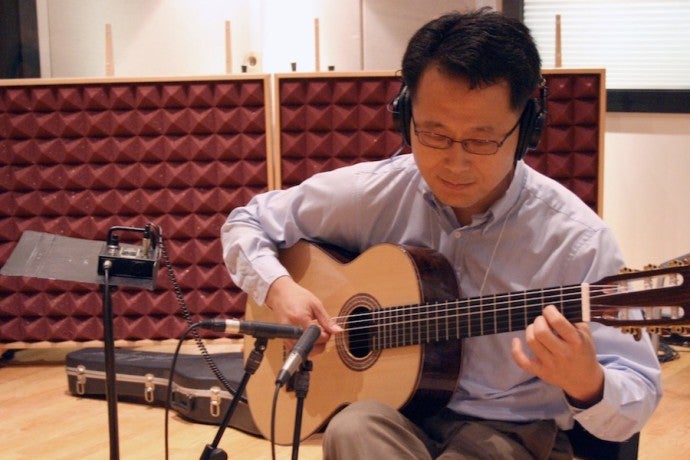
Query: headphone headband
[532, 119]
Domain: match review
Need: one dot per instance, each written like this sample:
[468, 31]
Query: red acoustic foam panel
[79, 158]
[569, 150]
[331, 121]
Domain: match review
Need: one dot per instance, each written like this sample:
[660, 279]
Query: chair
[588, 447]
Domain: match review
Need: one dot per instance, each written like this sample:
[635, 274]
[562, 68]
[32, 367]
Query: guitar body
[417, 379]
[403, 324]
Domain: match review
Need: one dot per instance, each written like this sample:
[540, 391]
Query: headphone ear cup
[537, 130]
[402, 114]
[532, 123]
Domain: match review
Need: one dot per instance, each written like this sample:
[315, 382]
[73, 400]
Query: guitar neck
[472, 317]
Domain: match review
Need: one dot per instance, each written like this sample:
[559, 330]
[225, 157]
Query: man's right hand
[293, 304]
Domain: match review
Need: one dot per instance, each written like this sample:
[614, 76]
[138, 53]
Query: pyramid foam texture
[330, 121]
[79, 158]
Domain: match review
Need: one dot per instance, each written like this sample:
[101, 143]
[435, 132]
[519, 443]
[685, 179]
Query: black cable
[677, 340]
[276, 392]
[212, 451]
[168, 392]
[197, 338]
[7, 356]
[665, 352]
[188, 317]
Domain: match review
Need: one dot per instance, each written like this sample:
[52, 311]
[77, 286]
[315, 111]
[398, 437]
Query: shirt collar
[495, 213]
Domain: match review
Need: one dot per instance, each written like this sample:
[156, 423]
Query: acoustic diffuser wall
[571, 147]
[78, 158]
[330, 120]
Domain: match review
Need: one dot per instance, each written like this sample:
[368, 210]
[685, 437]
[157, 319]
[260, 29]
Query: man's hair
[484, 47]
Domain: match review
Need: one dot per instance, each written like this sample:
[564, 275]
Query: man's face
[446, 106]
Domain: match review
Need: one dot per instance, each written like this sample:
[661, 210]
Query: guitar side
[413, 378]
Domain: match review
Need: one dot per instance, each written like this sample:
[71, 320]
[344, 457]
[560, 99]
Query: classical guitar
[402, 320]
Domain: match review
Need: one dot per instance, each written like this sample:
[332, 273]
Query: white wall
[391, 22]
[150, 37]
[647, 156]
[647, 185]
[183, 37]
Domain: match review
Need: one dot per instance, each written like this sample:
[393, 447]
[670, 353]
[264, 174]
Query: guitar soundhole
[359, 332]
[356, 345]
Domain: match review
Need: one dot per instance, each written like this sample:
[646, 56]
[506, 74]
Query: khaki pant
[372, 430]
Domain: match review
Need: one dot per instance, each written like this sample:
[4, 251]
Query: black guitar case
[142, 377]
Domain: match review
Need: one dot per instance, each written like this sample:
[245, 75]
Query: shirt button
[457, 234]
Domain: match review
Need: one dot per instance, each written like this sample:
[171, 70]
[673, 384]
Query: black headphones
[532, 120]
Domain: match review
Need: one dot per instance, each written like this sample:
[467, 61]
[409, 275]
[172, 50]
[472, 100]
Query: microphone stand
[301, 387]
[212, 451]
[109, 362]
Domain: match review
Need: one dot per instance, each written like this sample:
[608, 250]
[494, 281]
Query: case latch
[81, 379]
[149, 388]
[214, 401]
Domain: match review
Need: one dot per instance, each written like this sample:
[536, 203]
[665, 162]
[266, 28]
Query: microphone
[253, 328]
[298, 354]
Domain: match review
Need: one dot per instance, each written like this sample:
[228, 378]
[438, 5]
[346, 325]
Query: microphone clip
[299, 354]
[299, 381]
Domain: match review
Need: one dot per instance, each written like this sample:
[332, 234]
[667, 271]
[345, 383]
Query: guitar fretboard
[458, 319]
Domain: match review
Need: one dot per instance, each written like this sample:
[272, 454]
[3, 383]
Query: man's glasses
[475, 146]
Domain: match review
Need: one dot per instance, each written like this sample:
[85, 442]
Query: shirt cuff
[259, 276]
[606, 419]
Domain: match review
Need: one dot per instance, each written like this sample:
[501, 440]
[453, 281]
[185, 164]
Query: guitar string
[458, 312]
[393, 335]
[501, 316]
[541, 296]
[452, 326]
[453, 311]
[481, 289]
[491, 259]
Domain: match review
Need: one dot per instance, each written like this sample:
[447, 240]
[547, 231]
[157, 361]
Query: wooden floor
[39, 419]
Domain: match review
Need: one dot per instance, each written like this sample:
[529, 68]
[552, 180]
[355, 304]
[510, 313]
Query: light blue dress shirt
[537, 235]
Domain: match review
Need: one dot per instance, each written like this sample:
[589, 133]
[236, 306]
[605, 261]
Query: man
[466, 111]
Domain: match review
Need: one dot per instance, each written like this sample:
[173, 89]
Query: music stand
[55, 257]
